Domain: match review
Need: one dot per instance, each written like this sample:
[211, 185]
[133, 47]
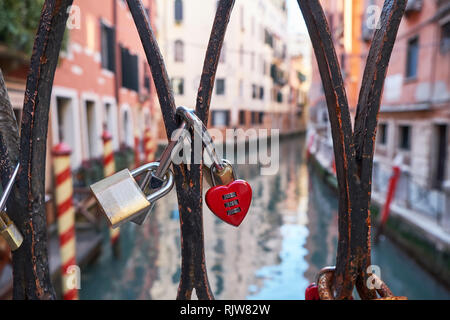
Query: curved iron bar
[353, 151]
[26, 206]
[188, 182]
[341, 129]
[366, 123]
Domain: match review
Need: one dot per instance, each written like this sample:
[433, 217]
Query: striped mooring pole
[109, 168]
[149, 146]
[65, 217]
[137, 153]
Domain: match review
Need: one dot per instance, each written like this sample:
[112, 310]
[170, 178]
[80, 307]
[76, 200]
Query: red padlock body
[312, 292]
[219, 198]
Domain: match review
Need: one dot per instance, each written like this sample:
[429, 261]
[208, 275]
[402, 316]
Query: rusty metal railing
[353, 149]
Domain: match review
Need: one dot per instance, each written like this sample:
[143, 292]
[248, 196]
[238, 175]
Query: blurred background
[267, 78]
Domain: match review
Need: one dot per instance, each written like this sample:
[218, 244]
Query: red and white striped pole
[309, 146]
[137, 153]
[333, 166]
[65, 217]
[109, 168]
[389, 197]
[149, 146]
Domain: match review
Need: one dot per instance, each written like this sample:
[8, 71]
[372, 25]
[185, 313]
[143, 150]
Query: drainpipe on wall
[116, 56]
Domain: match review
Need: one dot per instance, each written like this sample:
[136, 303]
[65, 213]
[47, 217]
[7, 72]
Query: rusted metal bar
[191, 223]
[27, 205]
[366, 123]
[341, 129]
[353, 152]
[188, 182]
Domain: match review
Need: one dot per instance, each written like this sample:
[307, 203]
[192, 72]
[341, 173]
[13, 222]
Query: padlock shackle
[152, 166]
[8, 188]
[227, 163]
[199, 127]
[166, 187]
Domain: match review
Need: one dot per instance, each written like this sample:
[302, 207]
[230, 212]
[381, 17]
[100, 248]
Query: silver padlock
[121, 198]
[8, 229]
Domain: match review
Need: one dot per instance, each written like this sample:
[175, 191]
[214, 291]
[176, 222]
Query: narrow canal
[289, 234]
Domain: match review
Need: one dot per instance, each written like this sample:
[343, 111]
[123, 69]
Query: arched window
[178, 11]
[179, 51]
[127, 126]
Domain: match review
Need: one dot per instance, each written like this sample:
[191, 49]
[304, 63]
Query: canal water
[289, 234]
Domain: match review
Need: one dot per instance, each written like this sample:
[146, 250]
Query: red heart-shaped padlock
[230, 202]
[312, 292]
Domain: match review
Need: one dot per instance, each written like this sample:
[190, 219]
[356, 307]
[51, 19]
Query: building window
[441, 155]
[108, 52]
[241, 88]
[405, 138]
[268, 38]
[261, 118]
[127, 129]
[63, 105]
[261, 93]
[220, 87]
[178, 11]
[220, 118]
[108, 121]
[445, 38]
[130, 70]
[254, 91]
[412, 58]
[67, 127]
[242, 117]
[254, 117]
[147, 84]
[382, 134]
[279, 97]
[179, 51]
[178, 86]
[91, 129]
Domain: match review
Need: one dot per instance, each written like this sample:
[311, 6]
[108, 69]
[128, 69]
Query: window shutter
[130, 70]
[111, 34]
[178, 10]
[135, 74]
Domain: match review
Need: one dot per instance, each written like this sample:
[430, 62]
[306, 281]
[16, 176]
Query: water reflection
[289, 234]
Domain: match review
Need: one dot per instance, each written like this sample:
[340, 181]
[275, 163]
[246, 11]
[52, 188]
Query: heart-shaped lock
[312, 292]
[230, 202]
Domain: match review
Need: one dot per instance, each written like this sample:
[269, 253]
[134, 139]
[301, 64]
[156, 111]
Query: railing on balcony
[431, 203]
